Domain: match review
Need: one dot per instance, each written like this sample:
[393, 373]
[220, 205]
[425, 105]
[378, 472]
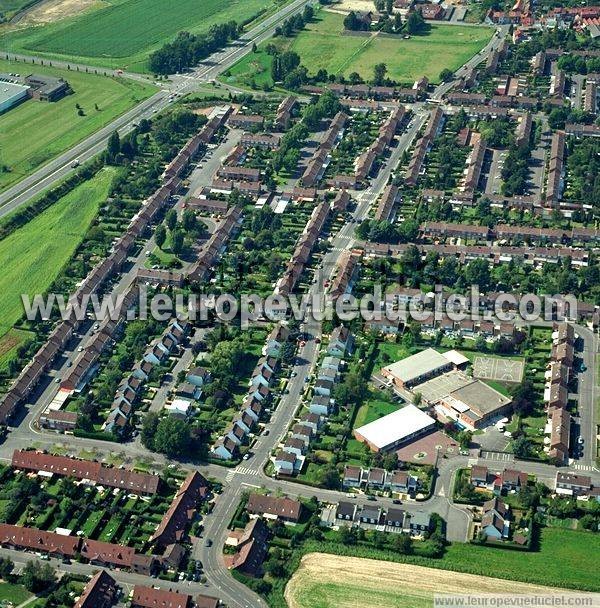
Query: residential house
[322, 406]
[572, 484]
[420, 522]
[345, 511]
[286, 463]
[273, 507]
[395, 518]
[495, 521]
[353, 477]
[340, 341]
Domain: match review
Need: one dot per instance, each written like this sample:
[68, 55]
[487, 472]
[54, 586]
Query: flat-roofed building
[11, 94]
[474, 405]
[417, 368]
[396, 428]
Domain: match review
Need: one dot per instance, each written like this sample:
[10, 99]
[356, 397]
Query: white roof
[425, 362]
[178, 405]
[455, 357]
[395, 426]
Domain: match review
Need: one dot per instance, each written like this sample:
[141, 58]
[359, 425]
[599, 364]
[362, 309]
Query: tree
[379, 72]
[403, 544]
[37, 577]
[171, 219]
[113, 147]
[521, 447]
[390, 461]
[446, 75]
[172, 437]
[464, 439]
[160, 236]
[189, 220]
[329, 477]
[415, 23]
[149, 429]
[6, 568]
[347, 535]
[177, 240]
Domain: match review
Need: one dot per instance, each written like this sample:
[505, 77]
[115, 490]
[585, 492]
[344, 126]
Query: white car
[579, 440]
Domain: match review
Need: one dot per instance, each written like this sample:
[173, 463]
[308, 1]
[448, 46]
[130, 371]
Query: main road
[63, 165]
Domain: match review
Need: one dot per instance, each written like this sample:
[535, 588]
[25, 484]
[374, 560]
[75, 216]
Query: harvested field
[323, 581]
[55, 10]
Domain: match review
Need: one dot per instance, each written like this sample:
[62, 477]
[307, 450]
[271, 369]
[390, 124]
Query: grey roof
[411, 368]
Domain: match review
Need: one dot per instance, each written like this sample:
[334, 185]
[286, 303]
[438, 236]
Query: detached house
[225, 449]
[275, 341]
[403, 482]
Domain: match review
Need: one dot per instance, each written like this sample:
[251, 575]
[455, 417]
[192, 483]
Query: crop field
[126, 31]
[33, 255]
[566, 558]
[323, 44]
[8, 8]
[322, 582]
[34, 132]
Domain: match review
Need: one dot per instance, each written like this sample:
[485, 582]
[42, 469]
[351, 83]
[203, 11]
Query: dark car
[208, 542]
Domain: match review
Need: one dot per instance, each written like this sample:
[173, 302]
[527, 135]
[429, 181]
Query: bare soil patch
[370, 575]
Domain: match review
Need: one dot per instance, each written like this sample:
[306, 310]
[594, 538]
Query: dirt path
[49, 11]
[403, 579]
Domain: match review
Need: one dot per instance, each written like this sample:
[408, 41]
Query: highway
[251, 473]
[61, 166]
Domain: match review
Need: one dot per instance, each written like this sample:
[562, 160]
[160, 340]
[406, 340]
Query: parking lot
[503, 370]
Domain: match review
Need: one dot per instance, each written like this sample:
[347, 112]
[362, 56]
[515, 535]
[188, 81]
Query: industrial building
[417, 368]
[11, 94]
[392, 430]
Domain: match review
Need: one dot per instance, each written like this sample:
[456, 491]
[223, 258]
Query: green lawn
[9, 344]
[566, 558]
[323, 45]
[33, 255]
[34, 132]
[13, 593]
[373, 410]
[121, 33]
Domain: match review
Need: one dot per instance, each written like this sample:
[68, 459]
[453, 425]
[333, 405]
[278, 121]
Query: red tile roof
[149, 597]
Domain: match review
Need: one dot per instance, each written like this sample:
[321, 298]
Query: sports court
[496, 368]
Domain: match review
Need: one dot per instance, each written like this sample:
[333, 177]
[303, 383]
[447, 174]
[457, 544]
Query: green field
[566, 558]
[13, 593]
[323, 45]
[34, 132]
[9, 8]
[372, 410]
[126, 31]
[33, 255]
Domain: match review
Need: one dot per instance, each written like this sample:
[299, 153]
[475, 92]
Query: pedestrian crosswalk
[239, 471]
[584, 467]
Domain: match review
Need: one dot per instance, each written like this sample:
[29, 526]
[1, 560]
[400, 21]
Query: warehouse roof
[396, 426]
[411, 368]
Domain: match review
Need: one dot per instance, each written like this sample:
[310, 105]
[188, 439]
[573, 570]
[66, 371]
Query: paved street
[250, 473]
[61, 166]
